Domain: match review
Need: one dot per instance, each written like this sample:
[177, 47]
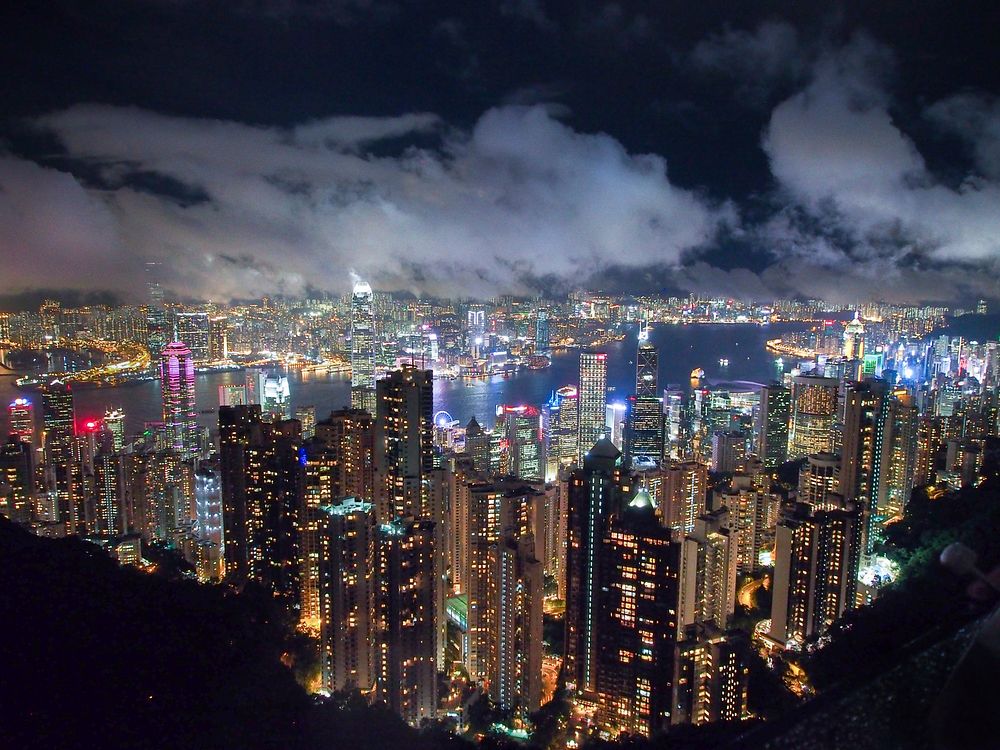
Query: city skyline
[520, 375]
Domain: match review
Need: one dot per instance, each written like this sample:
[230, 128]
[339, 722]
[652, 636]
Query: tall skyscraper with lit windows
[644, 430]
[348, 594]
[404, 451]
[592, 400]
[772, 428]
[180, 417]
[637, 622]
[21, 415]
[597, 490]
[407, 659]
[362, 348]
[813, 411]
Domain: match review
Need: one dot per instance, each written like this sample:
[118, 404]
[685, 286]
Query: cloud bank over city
[523, 198]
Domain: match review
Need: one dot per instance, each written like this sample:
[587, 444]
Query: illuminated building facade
[17, 474]
[180, 417]
[644, 429]
[817, 557]
[564, 426]
[684, 495]
[638, 622]
[711, 678]
[592, 400]
[772, 431]
[114, 424]
[407, 660]
[236, 426]
[820, 480]
[21, 416]
[813, 410]
[404, 451]
[505, 508]
[708, 571]
[596, 491]
[516, 587]
[522, 432]
[362, 348]
[348, 591]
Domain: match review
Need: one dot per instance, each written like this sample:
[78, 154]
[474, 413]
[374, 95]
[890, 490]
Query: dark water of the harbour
[682, 348]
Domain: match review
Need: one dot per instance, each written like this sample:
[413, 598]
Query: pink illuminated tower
[180, 417]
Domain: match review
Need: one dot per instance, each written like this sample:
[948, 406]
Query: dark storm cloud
[515, 146]
[520, 195]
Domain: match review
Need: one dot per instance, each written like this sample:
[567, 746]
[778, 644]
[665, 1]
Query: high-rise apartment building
[404, 451]
[516, 591]
[592, 401]
[817, 555]
[708, 571]
[711, 677]
[348, 595]
[504, 509]
[407, 635]
[684, 495]
[180, 417]
[236, 426]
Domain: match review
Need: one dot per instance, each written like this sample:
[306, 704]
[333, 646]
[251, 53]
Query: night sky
[849, 151]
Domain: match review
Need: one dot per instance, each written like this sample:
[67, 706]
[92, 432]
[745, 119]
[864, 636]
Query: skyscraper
[542, 331]
[813, 409]
[180, 418]
[517, 583]
[684, 495]
[596, 491]
[817, 554]
[275, 499]
[522, 431]
[477, 445]
[236, 425]
[772, 434]
[644, 433]
[407, 661]
[865, 416]
[505, 508]
[348, 586]
[593, 399]
[362, 348]
[728, 450]
[21, 414]
[564, 426]
[404, 443]
[114, 423]
[708, 571]
[636, 622]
